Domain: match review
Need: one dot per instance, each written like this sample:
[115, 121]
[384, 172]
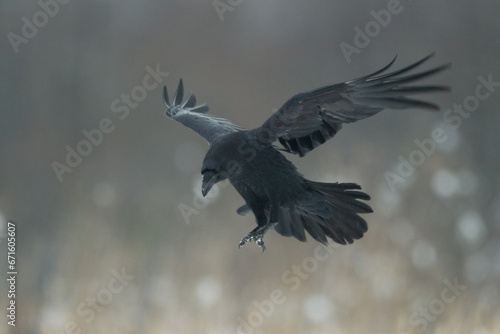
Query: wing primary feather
[403, 70]
[190, 101]
[364, 77]
[396, 91]
[397, 103]
[179, 94]
[414, 77]
[165, 97]
[202, 108]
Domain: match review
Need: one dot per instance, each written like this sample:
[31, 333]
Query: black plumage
[277, 194]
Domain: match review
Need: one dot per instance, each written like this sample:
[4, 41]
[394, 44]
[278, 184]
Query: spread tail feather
[331, 210]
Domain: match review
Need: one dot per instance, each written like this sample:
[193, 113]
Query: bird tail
[330, 210]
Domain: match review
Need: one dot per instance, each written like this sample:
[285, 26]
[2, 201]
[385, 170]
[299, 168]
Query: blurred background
[118, 238]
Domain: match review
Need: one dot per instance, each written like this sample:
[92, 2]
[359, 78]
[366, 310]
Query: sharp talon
[257, 236]
[244, 241]
[260, 243]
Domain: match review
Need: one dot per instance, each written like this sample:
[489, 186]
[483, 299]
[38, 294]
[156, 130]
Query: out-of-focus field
[104, 248]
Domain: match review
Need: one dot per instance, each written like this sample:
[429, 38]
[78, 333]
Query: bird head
[210, 177]
[217, 166]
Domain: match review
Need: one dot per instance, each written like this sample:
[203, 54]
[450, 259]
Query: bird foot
[257, 236]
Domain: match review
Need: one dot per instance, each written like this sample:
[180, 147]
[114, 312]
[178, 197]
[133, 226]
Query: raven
[277, 194]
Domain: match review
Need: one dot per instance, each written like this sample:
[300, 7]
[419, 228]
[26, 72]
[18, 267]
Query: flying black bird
[277, 194]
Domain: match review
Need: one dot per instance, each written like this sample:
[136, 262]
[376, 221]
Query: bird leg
[257, 235]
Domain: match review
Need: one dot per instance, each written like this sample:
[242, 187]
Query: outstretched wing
[196, 117]
[309, 119]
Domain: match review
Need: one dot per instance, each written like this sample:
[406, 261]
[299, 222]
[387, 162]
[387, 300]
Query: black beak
[209, 179]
